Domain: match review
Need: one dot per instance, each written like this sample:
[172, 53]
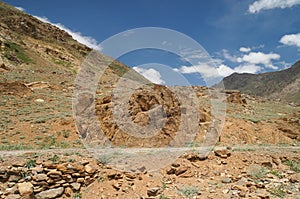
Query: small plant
[295, 166]
[257, 171]
[189, 191]
[163, 185]
[77, 195]
[104, 159]
[163, 197]
[278, 191]
[54, 158]
[101, 178]
[66, 133]
[30, 163]
[276, 173]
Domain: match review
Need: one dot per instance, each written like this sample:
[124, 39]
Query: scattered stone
[68, 192]
[294, 178]
[25, 188]
[39, 101]
[226, 180]
[154, 191]
[181, 170]
[49, 194]
[76, 186]
[90, 169]
[223, 153]
[41, 177]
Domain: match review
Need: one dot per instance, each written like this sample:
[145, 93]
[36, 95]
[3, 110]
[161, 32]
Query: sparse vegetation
[278, 191]
[77, 195]
[104, 159]
[257, 172]
[30, 163]
[55, 158]
[189, 191]
[295, 166]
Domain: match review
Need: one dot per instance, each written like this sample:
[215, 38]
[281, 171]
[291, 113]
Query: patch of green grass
[15, 52]
[278, 191]
[276, 173]
[12, 147]
[295, 166]
[189, 191]
[163, 197]
[66, 133]
[55, 158]
[30, 163]
[77, 195]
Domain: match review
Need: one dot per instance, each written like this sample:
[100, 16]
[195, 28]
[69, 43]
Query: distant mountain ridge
[283, 85]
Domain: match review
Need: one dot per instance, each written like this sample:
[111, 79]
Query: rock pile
[43, 180]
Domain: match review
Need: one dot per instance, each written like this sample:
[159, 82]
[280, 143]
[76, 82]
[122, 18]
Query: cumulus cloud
[259, 5]
[151, 74]
[205, 69]
[86, 40]
[245, 50]
[260, 58]
[229, 57]
[20, 8]
[247, 68]
[208, 71]
[291, 40]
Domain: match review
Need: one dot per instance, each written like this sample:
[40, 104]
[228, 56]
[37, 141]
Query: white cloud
[193, 55]
[260, 58]
[86, 40]
[247, 68]
[229, 57]
[208, 71]
[20, 8]
[291, 40]
[224, 70]
[245, 50]
[151, 74]
[259, 5]
[205, 69]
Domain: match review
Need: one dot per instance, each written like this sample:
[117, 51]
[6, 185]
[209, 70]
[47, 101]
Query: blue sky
[251, 36]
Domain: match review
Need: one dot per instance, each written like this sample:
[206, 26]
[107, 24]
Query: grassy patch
[295, 166]
[15, 52]
[278, 191]
[189, 191]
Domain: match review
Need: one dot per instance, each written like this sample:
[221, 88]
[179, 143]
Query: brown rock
[181, 170]
[13, 196]
[68, 192]
[54, 174]
[240, 188]
[40, 177]
[171, 171]
[25, 188]
[154, 191]
[295, 178]
[223, 153]
[76, 186]
[51, 193]
[89, 168]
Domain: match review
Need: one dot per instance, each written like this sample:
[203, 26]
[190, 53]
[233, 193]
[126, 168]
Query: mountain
[283, 85]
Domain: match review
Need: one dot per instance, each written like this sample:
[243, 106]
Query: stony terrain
[43, 155]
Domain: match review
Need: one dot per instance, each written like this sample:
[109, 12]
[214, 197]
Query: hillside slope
[283, 85]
